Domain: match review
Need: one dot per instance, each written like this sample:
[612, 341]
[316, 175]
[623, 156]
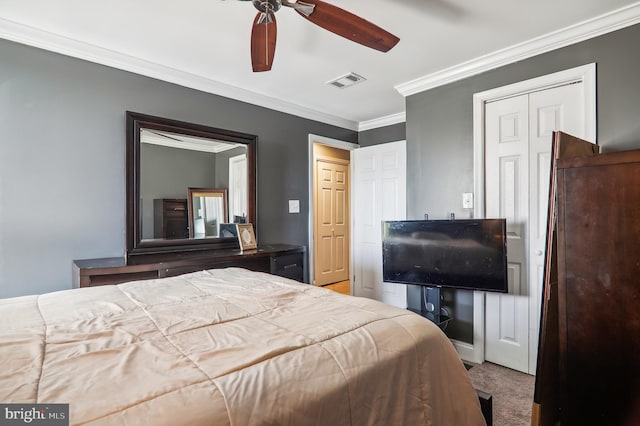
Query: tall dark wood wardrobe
[589, 353]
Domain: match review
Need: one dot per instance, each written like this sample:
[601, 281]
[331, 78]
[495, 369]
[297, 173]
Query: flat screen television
[463, 254]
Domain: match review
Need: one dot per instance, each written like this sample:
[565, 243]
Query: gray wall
[393, 133]
[439, 129]
[62, 161]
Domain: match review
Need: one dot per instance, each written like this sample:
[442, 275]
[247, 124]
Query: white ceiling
[204, 44]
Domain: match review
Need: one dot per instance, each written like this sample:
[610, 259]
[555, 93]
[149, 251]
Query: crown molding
[603, 24]
[34, 37]
[388, 120]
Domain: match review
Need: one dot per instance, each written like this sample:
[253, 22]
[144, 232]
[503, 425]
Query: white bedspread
[230, 347]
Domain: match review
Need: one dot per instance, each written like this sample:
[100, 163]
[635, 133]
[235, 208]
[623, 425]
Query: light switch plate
[467, 200]
[294, 206]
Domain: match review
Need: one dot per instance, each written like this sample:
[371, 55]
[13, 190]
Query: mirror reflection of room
[172, 163]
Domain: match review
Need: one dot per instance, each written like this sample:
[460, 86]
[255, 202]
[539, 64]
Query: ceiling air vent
[346, 80]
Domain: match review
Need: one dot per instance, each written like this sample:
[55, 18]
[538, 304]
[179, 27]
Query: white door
[238, 196]
[379, 193]
[518, 146]
[507, 195]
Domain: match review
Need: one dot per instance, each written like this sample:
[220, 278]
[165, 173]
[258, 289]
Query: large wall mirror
[166, 160]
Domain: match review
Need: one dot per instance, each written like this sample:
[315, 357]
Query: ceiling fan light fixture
[346, 80]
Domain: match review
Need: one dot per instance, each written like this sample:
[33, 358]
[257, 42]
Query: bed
[230, 347]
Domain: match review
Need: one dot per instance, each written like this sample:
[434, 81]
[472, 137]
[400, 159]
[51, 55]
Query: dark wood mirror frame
[138, 249]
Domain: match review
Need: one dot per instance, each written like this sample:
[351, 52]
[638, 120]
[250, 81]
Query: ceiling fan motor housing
[267, 6]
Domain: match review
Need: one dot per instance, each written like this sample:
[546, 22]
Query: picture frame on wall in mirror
[228, 230]
[246, 236]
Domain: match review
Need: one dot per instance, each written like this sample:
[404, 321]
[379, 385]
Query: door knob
[539, 252]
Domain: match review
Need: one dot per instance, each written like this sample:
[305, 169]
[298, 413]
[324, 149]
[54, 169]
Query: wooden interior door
[332, 206]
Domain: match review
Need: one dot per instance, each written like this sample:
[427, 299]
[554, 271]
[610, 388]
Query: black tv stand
[430, 306]
[440, 320]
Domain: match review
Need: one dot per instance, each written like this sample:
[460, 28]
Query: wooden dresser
[280, 259]
[589, 356]
[170, 219]
[599, 289]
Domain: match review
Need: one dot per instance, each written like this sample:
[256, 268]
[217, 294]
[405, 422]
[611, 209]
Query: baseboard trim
[465, 351]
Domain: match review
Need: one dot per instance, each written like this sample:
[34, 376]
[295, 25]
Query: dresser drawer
[176, 213]
[254, 264]
[288, 266]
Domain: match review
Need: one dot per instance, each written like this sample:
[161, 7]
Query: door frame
[336, 143]
[586, 74]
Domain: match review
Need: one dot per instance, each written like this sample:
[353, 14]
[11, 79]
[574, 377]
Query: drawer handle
[179, 209]
[293, 265]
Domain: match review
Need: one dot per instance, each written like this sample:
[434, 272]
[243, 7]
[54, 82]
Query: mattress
[230, 347]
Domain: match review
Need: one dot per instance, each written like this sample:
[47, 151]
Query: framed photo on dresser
[246, 237]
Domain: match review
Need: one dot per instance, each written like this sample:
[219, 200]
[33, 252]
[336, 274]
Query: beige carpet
[512, 392]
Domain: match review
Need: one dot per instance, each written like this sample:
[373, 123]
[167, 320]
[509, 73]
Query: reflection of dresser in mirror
[170, 218]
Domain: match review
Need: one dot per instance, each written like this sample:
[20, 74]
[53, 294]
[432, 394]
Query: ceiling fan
[325, 15]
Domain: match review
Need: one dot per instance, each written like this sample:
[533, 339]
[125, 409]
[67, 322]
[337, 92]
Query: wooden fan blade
[263, 41]
[350, 26]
